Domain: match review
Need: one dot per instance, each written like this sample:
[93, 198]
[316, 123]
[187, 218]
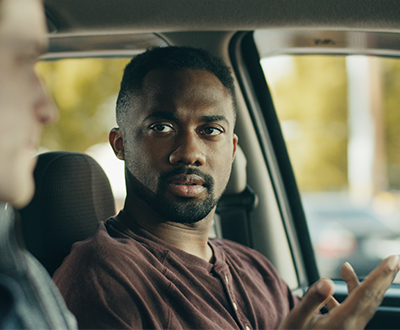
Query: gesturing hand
[358, 308]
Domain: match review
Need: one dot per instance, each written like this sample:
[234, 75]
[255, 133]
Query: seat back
[72, 195]
[236, 204]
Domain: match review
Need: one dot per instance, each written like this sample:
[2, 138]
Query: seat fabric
[234, 209]
[72, 195]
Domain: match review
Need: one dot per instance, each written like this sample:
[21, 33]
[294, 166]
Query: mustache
[166, 175]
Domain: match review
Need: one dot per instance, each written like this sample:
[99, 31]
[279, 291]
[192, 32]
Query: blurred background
[340, 117]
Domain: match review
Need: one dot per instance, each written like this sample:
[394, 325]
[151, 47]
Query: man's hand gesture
[358, 308]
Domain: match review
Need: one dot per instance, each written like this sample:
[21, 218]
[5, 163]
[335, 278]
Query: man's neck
[191, 238]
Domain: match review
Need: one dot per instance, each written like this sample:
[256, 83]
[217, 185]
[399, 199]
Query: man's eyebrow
[163, 115]
[210, 119]
[34, 47]
[40, 47]
[174, 117]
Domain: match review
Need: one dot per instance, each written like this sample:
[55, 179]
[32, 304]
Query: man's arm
[355, 312]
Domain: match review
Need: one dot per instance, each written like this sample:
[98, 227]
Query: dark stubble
[180, 209]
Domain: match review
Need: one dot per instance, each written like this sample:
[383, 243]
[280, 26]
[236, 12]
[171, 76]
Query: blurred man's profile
[28, 298]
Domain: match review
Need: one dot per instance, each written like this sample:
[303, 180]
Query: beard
[179, 210]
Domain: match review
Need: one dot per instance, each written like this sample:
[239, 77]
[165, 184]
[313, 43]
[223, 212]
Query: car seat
[235, 206]
[72, 195]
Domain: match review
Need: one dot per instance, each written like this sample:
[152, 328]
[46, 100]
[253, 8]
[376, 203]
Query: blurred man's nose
[45, 107]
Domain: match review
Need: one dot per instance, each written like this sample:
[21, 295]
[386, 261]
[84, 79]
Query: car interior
[72, 193]
[271, 201]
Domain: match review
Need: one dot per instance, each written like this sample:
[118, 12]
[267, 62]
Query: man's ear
[235, 141]
[116, 139]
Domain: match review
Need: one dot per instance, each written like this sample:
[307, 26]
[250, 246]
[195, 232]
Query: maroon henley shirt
[129, 279]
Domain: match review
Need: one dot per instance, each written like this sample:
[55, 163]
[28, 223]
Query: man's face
[179, 143]
[24, 107]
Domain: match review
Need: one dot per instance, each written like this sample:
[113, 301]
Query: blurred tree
[391, 73]
[311, 102]
[85, 91]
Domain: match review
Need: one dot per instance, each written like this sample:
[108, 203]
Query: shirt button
[247, 327]
[235, 306]
[226, 279]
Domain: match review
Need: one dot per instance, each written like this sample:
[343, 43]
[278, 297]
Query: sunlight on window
[340, 120]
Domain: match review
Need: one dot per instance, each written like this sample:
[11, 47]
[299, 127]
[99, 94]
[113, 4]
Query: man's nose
[44, 107]
[188, 150]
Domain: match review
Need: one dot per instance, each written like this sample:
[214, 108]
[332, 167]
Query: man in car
[153, 266]
[28, 298]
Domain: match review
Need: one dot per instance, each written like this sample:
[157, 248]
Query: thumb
[304, 312]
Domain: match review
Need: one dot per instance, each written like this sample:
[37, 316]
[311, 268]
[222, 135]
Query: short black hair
[173, 58]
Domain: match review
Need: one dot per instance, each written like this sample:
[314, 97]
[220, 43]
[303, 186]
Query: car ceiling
[82, 17]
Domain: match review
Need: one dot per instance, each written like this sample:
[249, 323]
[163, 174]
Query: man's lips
[186, 185]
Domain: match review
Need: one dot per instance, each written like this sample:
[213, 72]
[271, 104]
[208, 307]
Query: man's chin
[184, 210]
[24, 196]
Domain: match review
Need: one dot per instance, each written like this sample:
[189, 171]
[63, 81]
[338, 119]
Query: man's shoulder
[101, 242]
[83, 254]
[110, 234]
[112, 246]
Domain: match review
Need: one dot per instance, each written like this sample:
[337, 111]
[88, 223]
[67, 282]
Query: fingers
[332, 303]
[350, 276]
[304, 312]
[364, 299]
[355, 311]
[381, 277]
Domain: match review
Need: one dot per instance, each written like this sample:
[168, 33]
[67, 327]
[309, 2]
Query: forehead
[194, 88]
[22, 21]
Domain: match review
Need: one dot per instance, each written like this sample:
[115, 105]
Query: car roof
[82, 17]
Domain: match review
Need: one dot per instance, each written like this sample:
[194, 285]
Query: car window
[339, 116]
[85, 90]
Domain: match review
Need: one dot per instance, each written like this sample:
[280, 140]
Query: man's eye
[162, 128]
[213, 131]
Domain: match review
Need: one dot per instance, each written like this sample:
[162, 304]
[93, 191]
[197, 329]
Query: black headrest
[72, 195]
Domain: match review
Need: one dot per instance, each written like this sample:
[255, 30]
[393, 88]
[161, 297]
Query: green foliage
[391, 73]
[311, 102]
[85, 91]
